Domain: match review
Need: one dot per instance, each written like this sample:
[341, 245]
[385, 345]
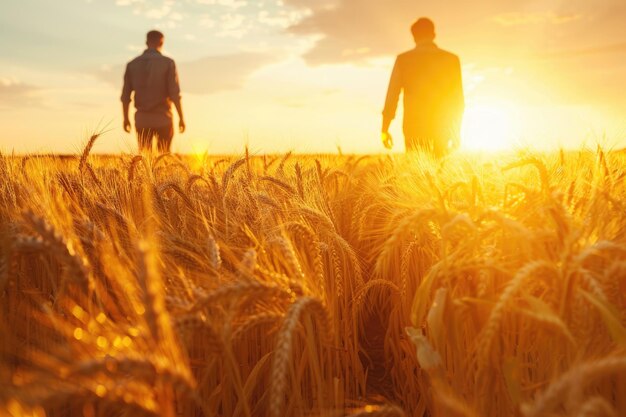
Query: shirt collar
[151, 51]
[426, 44]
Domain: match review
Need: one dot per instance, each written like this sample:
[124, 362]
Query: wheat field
[331, 285]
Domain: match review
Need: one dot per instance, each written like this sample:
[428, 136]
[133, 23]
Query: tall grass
[302, 285]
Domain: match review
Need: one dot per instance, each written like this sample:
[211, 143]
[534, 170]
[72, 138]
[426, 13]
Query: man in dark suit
[154, 79]
[433, 95]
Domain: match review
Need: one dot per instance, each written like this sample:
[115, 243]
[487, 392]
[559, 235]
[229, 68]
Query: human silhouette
[154, 79]
[433, 95]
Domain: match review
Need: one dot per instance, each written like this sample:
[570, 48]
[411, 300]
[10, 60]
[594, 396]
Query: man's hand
[181, 126]
[127, 126]
[387, 140]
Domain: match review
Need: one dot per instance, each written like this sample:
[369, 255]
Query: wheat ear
[77, 266]
[284, 345]
[131, 167]
[85, 154]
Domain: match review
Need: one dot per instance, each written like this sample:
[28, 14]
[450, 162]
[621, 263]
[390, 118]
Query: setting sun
[490, 127]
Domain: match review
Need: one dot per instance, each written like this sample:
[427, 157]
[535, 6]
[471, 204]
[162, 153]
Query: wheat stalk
[284, 344]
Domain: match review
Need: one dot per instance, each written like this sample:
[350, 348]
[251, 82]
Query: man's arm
[181, 118]
[173, 90]
[126, 91]
[393, 94]
[125, 108]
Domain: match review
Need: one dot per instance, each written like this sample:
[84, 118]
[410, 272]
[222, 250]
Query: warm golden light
[490, 127]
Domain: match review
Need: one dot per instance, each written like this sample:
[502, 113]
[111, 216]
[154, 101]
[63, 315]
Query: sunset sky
[311, 75]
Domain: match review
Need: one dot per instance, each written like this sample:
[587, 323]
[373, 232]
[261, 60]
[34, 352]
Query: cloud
[228, 18]
[233, 4]
[159, 10]
[218, 73]
[345, 38]
[615, 48]
[520, 18]
[15, 94]
[281, 18]
[206, 75]
[354, 31]
[233, 25]
[585, 74]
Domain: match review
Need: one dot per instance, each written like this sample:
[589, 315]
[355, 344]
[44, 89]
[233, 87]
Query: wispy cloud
[343, 38]
[225, 18]
[615, 48]
[159, 10]
[233, 4]
[282, 18]
[219, 73]
[15, 94]
[524, 18]
[233, 25]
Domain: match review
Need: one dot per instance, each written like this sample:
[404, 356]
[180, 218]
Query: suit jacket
[433, 93]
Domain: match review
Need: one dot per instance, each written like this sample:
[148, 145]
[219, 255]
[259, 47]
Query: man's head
[423, 30]
[154, 40]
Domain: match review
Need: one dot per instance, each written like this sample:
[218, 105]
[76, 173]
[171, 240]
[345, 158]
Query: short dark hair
[154, 36]
[423, 28]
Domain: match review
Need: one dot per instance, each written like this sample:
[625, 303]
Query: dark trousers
[163, 135]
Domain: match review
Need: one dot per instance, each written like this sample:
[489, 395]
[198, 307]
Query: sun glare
[490, 127]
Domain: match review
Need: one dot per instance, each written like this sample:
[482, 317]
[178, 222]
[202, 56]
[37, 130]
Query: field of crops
[332, 285]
